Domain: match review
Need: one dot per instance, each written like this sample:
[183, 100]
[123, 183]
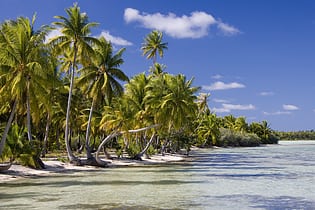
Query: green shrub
[230, 138]
[272, 139]
[133, 150]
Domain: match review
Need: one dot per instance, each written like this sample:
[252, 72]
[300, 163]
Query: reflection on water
[272, 177]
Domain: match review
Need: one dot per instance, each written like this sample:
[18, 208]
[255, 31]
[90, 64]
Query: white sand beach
[54, 167]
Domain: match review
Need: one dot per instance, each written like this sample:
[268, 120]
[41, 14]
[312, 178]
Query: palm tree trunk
[44, 150]
[28, 106]
[88, 131]
[71, 156]
[7, 127]
[139, 155]
[113, 135]
[107, 139]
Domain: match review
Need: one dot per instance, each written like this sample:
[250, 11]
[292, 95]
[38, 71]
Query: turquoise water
[272, 177]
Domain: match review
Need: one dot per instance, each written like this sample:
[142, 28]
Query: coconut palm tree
[241, 125]
[174, 106]
[208, 129]
[229, 122]
[76, 31]
[135, 92]
[153, 45]
[23, 66]
[100, 79]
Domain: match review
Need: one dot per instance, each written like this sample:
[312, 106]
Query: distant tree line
[296, 135]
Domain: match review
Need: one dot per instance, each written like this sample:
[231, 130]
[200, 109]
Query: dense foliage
[66, 94]
[297, 135]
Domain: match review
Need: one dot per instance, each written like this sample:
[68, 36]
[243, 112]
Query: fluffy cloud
[220, 110]
[227, 29]
[267, 93]
[230, 107]
[238, 107]
[194, 26]
[289, 107]
[115, 40]
[277, 113]
[217, 100]
[223, 86]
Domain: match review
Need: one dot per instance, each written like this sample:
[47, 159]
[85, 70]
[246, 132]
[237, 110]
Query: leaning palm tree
[76, 31]
[153, 45]
[100, 79]
[23, 66]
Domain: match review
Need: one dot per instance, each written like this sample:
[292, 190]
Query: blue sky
[255, 58]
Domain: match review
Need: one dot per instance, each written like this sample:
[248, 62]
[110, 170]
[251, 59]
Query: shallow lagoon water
[269, 177]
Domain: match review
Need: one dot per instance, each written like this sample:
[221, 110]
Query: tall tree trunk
[88, 131]
[28, 114]
[7, 127]
[44, 150]
[71, 156]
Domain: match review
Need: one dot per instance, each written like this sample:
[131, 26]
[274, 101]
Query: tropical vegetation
[69, 94]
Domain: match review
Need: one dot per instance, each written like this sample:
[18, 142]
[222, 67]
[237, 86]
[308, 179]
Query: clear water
[272, 177]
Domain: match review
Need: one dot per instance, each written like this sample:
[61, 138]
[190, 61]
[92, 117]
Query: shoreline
[55, 167]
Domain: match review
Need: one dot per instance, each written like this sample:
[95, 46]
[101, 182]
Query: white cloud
[52, 34]
[269, 93]
[238, 107]
[220, 100]
[289, 107]
[194, 26]
[227, 29]
[217, 76]
[114, 39]
[223, 86]
[277, 113]
[229, 107]
[220, 110]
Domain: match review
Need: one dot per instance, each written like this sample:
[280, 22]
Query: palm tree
[266, 130]
[135, 92]
[153, 44]
[202, 102]
[76, 31]
[100, 79]
[170, 100]
[241, 125]
[23, 65]
[229, 122]
[208, 128]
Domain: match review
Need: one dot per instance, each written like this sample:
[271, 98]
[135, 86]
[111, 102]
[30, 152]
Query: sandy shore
[54, 167]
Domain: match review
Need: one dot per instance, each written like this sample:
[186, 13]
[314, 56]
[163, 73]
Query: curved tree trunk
[107, 139]
[115, 134]
[139, 155]
[71, 156]
[7, 128]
